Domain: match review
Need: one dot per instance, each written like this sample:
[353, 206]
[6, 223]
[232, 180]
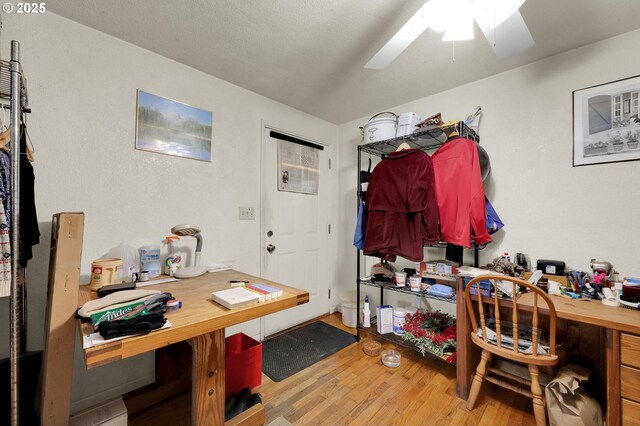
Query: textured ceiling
[310, 54]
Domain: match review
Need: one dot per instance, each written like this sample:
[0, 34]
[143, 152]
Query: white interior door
[295, 234]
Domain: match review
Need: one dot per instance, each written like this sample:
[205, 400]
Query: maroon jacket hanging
[401, 214]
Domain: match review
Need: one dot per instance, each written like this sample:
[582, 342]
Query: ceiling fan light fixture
[441, 14]
[459, 34]
[462, 27]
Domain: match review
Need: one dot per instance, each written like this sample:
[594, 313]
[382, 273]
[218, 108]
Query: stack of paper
[235, 297]
[469, 271]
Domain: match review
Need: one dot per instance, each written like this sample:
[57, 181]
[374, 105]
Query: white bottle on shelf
[366, 313]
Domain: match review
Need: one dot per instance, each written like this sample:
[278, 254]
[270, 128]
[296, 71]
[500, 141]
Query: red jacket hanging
[460, 193]
[401, 213]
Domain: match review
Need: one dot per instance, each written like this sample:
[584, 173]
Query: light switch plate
[247, 213]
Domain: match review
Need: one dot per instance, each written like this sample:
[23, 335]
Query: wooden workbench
[201, 322]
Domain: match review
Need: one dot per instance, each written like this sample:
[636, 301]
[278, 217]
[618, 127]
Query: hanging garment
[364, 179]
[401, 214]
[29, 230]
[358, 236]
[494, 224]
[459, 193]
[454, 253]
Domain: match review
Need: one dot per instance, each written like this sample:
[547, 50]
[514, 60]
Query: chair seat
[541, 359]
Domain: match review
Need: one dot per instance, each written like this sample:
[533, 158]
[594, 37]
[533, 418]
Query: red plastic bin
[243, 363]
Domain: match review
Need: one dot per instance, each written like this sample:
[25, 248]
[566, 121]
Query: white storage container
[380, 128]
[399, 316]
[150, 260]
[349, 308]
[407, 123]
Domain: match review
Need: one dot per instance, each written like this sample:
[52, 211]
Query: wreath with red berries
[433, 332]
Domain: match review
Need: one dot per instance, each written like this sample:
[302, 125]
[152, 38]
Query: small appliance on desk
[602, 271]
[196, 270]
[551, 267]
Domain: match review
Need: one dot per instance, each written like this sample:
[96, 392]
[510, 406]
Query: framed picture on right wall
[606, 122]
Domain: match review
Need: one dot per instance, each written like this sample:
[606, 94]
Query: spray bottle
[366, 313]
[175, 258]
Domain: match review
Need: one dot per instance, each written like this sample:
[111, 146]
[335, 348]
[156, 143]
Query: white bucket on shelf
[349, 308]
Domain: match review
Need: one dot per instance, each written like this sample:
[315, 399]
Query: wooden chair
[489, 348]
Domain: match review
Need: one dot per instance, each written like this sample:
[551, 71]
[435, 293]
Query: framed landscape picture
[173, 128]
[606, 124]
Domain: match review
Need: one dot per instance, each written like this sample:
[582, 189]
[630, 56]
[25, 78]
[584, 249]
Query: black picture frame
[606, 122]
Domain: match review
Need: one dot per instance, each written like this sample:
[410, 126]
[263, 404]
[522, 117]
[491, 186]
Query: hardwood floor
[351, 388]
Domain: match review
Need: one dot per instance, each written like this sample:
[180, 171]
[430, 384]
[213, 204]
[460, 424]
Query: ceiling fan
[499, 20]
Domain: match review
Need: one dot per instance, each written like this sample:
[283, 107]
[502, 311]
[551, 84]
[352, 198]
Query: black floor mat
[285, 355]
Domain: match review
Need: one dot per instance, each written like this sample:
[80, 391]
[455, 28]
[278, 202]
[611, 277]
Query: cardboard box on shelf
[385, 319]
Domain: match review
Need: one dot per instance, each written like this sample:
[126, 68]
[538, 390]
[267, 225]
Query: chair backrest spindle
[534, 324]
[496, 308]
[481, 310]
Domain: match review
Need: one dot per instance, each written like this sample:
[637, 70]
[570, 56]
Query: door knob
[271, 248]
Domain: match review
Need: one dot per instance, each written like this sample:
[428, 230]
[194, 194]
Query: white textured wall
[82, 86]
[551, 209]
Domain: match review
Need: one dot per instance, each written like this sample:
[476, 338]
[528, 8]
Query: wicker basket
[371, 348]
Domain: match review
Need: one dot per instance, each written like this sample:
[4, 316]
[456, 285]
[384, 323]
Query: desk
[614, 321]
[202, 322]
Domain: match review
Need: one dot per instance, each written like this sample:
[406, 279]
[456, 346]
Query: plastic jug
[130, 260]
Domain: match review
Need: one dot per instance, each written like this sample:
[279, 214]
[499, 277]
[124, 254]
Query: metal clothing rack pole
[358, 189]
[16, 303]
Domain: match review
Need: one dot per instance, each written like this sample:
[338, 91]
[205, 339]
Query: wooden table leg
[612, 355]
[207, 407]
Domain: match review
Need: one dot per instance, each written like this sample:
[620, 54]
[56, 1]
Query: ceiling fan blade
[400, 41]
[509, 38]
